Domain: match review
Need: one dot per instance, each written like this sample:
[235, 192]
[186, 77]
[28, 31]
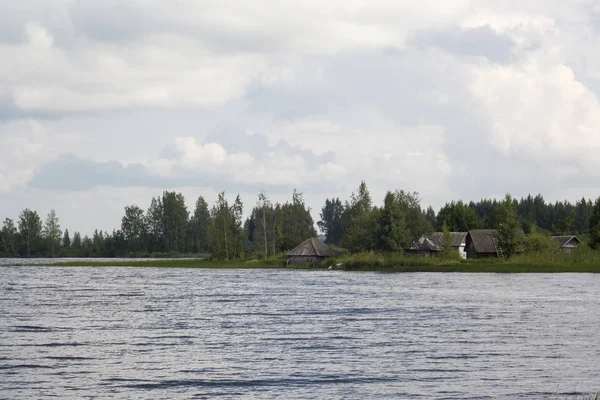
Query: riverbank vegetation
[219, 232]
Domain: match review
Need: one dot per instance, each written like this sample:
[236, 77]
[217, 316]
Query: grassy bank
[582, 261]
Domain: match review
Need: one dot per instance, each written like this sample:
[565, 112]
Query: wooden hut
[484, 243]
[423, 247]
[309, 251]
[459, 241]
[567, 243]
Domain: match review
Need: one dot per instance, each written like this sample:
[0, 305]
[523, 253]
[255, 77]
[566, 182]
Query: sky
[106, 103]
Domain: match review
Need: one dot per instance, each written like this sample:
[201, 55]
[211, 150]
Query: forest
[168, 229]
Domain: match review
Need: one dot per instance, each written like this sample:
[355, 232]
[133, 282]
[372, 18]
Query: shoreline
[404, 267]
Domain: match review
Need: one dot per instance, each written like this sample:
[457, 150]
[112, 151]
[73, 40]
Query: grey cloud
[481, 41]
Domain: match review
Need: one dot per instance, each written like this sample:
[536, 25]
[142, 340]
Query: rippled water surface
[193, 333]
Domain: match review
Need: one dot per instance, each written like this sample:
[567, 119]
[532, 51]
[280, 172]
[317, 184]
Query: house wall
[472, 253]
[462, 252]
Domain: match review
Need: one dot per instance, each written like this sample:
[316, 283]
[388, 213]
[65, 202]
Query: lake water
[147, 333]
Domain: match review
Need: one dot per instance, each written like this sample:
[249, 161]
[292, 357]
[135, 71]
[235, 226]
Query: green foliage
[66, 240]
[10, 237]
[133, 228]
[458, 217]
[51, 232]
[508, 226]
[394, 235]
[538, 242]
[594, 225]
[331, 221]
[30, 231]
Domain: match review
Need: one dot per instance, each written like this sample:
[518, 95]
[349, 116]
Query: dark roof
[458, 238]
[564, 240]
[312, 247]
[483, 239]
[424, 244]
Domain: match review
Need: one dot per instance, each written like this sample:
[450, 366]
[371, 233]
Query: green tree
[51, 232]
[10, 237]
[447, 251]
[539, 242]
[508, 226]
[295, 224]
[394, 235]
[331, 221]
[595, 225]
[76, 241]
[175, 220]
[155, 226]
[30, 230]
[458, 217]
[199, 226]
[66, 241]
[410, 205]
[133, 227]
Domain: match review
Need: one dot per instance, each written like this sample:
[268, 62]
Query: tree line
[168, 228]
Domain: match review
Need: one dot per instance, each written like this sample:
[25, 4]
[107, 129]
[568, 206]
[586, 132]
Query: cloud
[480, 42]
[457, 99]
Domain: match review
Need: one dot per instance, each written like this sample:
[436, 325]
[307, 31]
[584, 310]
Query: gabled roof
[483, 239]
[312, 247]
[424, 244]
[458, 238]
[568, 239]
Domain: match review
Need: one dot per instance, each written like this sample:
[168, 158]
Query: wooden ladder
[499, 251]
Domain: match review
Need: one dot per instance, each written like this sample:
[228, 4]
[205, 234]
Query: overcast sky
[105, 103]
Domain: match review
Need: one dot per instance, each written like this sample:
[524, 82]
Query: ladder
[499, 251]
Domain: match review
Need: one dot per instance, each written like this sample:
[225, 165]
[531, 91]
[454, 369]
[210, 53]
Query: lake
[157, 333]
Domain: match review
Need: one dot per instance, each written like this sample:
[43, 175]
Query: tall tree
[52, 232]
[595, 225]
[199, 226]
[458, 217]
[133, 227]
[393, 232]
[264, 211]
[331, 221]
[76, 241]
[175, 220]
[9, 237]
[221, 223]
[30, 230]
[508, 226]
[66, 241]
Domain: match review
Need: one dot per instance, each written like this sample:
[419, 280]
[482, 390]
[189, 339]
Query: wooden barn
[423, 247]
[567, 243]
[459, 241]
[483, 243]
[309, 251]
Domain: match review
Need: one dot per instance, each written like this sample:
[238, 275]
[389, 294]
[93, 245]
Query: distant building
[423, 247]
[459, 241]
[309, 251]
[568, 242]
[484, 243]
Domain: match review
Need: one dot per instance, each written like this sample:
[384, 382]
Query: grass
[580, 261]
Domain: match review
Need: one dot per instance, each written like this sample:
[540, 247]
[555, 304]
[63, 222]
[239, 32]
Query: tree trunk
[265, 231]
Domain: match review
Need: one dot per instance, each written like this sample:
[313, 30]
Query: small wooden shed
[459, 241]
[423, 247]
[568, 242]
[484, 243]
[310, 251]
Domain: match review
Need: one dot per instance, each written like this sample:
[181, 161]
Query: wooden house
[484, 243]
[459, 241]
[423, 247]
[310, 251]
[567, 243]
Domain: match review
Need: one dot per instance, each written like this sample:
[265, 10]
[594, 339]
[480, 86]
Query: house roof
[458, 238]
[424, 244]
[312, 247]
[564, 240]
[483, 239]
